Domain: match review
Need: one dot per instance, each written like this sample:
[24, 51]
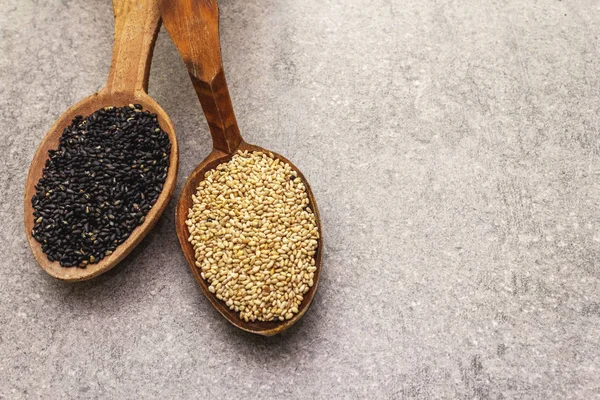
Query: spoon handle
[136, 27]
[193, 25]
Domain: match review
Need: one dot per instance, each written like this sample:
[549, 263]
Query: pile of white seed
[255, 236]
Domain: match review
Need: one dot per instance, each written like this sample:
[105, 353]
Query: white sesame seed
[254, 237]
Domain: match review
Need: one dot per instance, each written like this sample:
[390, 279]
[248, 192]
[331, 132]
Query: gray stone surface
[453, 147]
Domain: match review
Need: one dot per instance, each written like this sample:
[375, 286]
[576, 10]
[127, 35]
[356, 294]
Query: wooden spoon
[136, 27]
[194, 28]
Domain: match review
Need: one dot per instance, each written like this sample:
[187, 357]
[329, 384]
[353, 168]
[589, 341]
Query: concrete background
[453, 147]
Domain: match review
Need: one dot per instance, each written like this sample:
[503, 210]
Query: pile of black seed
[98, 186]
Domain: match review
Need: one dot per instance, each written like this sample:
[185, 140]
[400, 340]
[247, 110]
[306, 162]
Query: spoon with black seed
[193, 25]
[106, 169]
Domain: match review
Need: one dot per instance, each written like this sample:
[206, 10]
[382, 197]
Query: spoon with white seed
[193, 25]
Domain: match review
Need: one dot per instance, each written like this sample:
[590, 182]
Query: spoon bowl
[264, 328]
[136, 29]
[193, 25]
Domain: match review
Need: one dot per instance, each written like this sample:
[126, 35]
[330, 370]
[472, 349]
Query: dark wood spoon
[136, 27]
[194, 28]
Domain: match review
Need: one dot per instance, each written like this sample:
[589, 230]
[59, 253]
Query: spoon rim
[85, 107]
[264, 328]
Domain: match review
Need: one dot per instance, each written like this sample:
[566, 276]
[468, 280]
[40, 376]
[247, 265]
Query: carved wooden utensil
[136, 26]
[194, 28]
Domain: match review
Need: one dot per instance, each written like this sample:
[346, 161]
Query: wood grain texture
[137, 23]
[194, 28]
[136, 26]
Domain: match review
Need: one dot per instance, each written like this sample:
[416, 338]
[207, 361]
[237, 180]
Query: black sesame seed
[98, 185]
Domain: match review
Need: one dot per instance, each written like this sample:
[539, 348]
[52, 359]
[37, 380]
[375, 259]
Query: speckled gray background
[454, 150]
